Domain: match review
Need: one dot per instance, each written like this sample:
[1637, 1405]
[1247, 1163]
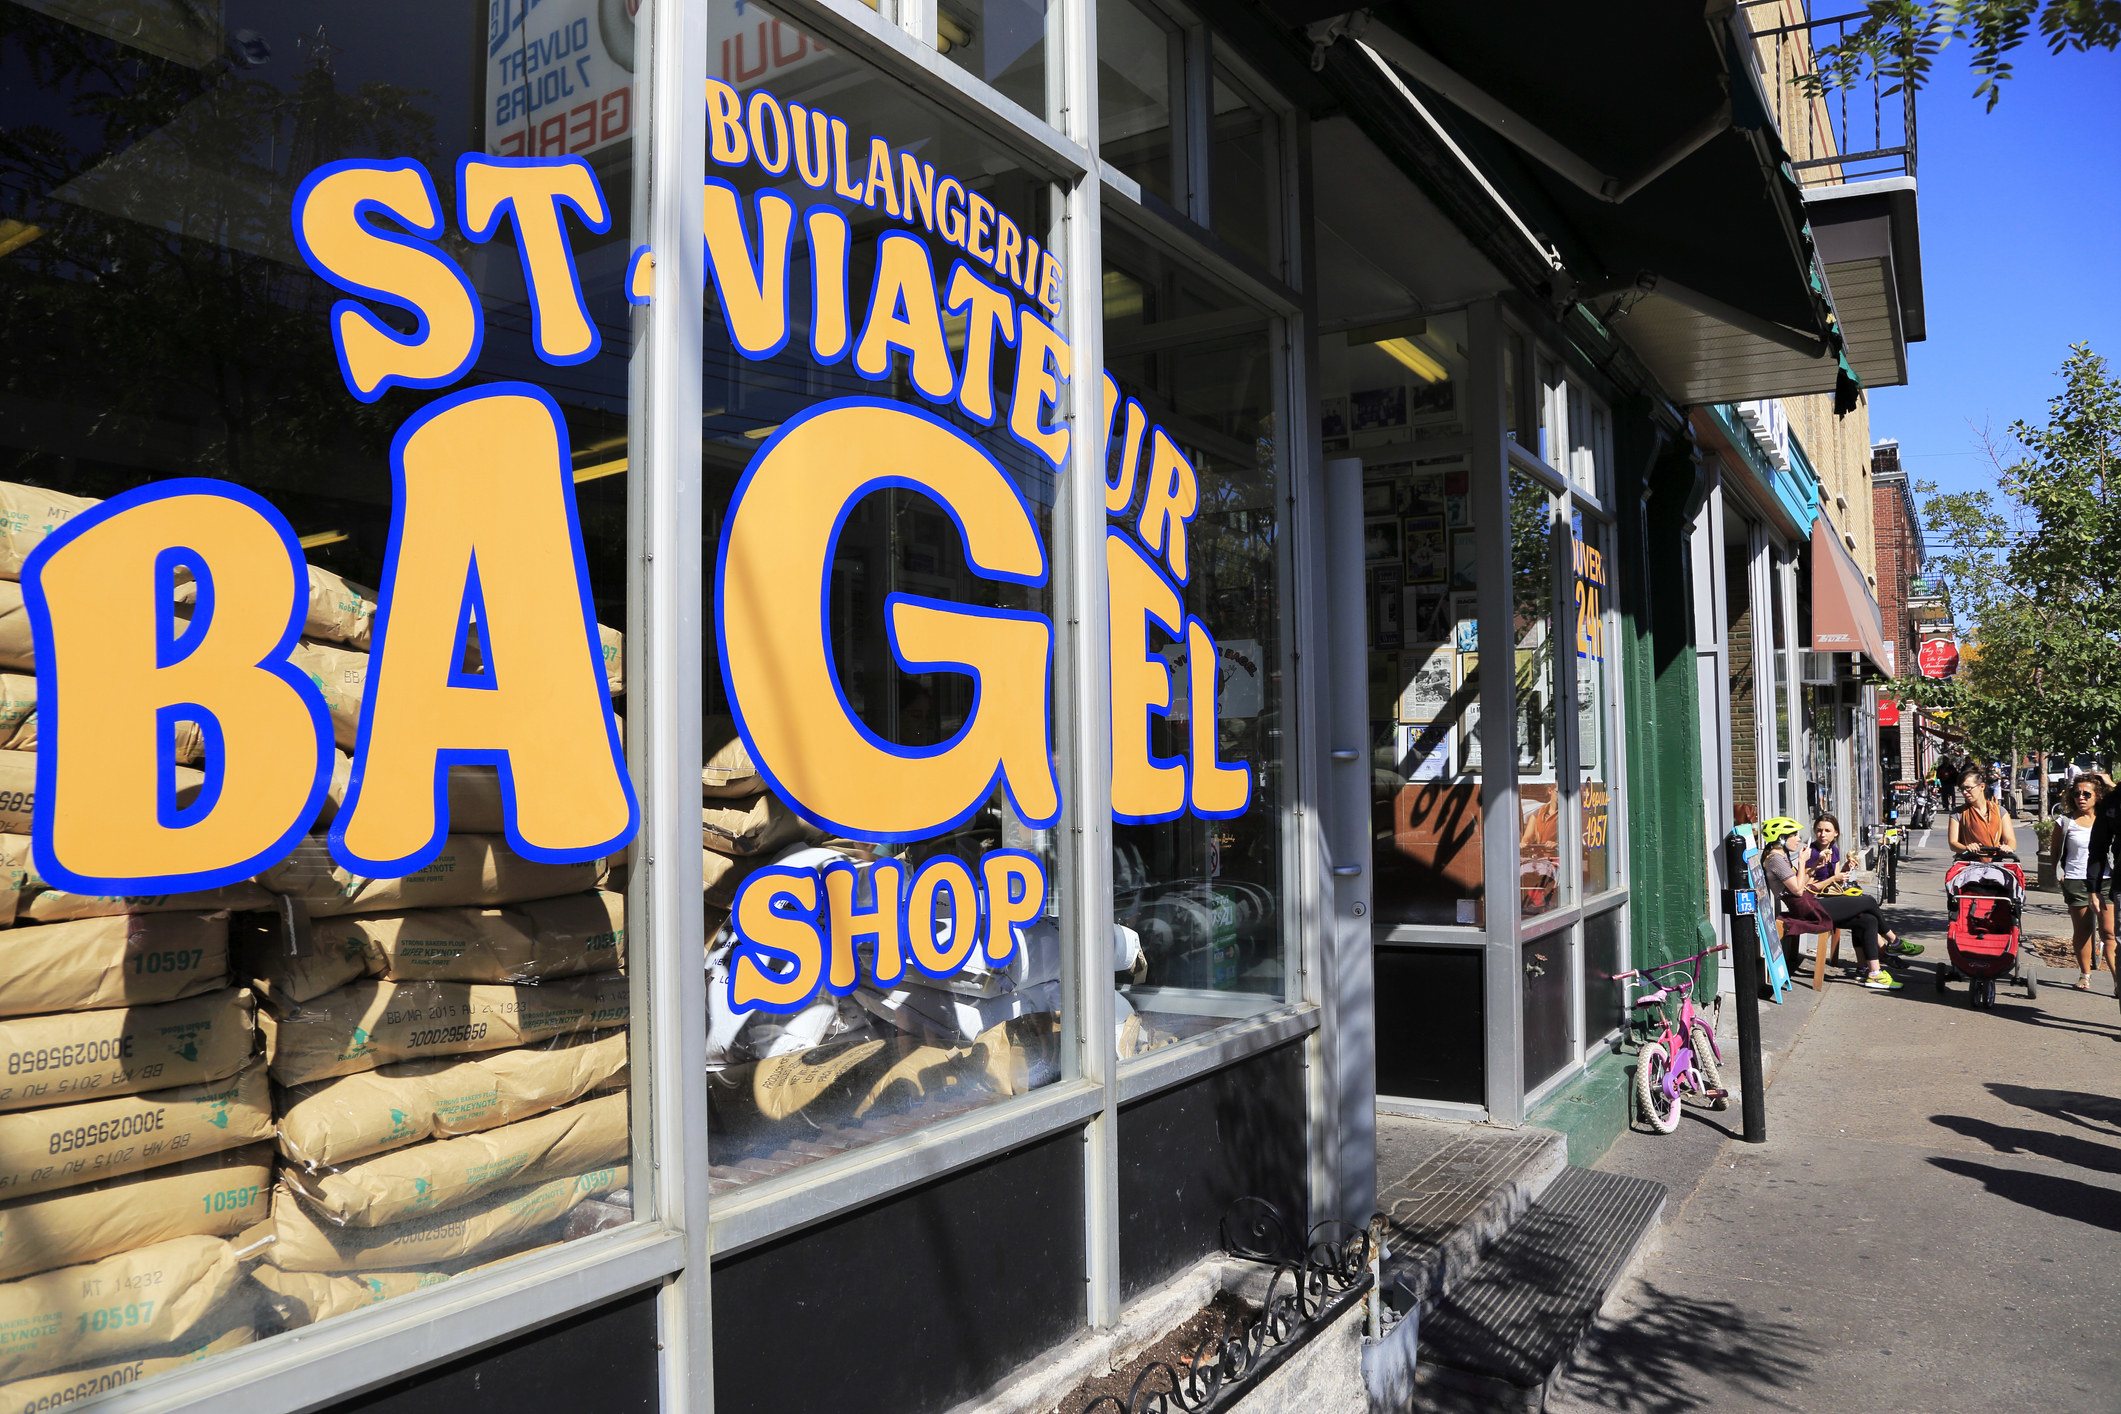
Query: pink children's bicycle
[1679, 1060]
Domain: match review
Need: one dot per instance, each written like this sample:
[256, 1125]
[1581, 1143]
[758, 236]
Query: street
[1933, 1225]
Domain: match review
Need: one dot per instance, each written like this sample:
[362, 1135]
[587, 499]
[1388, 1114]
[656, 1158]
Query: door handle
[1346, 871]
[1347, 753]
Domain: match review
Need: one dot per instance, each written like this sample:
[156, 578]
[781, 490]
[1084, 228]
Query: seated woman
[1832, 872]
[1982, 824]
[1807, 912]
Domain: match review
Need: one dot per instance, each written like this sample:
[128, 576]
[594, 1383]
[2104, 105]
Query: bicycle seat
[1653, 998]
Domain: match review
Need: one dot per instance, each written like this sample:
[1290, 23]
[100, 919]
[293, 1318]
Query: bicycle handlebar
[1659, 967]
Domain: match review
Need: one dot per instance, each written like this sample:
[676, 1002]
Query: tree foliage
[2038, 579]
[1899, 40]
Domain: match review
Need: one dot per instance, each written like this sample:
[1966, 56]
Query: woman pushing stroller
[1983, 826]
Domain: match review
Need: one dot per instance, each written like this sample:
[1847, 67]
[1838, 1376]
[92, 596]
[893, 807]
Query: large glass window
[1594, 717]
[1002, 41]
[1141, 83]
[1204, 891]
[312, 1087]
[1245, 193]
[881, 472]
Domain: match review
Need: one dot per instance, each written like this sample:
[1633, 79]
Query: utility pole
[1740, 905]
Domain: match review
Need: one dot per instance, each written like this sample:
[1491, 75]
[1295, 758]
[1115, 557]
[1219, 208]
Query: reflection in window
[1140, 75]
[882, 1060]
[1245, 192]
[1539, 801]
[1001, 41]
[337, 1089]
[1205, 896]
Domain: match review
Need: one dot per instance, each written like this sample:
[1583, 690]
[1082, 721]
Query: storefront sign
[1938, 658]
[803, 930]
[1589, 563]
[1888, 712]
[484, 565]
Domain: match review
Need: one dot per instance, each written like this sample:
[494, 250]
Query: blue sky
[2021, 254]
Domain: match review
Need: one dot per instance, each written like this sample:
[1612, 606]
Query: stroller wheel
[2032, 983]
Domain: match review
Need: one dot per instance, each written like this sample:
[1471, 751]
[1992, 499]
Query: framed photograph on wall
[1425, 618]
[1424, 539]
[1333, 423]
[1387, 607]
[1380, 498]
[1377, 407]
[1426, 695]
[1380, 540]
[1465, 560]
[1465, 621]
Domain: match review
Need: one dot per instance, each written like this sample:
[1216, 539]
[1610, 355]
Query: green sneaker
[1901, 947]
[1883, 981]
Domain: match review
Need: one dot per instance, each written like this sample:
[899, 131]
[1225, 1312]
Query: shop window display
[1594, 722]
[1392, 396]
[879, 343]
[1198, 862]
[1542, 807]
[234, 1110]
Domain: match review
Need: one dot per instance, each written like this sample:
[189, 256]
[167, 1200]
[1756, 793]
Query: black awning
[1637, 140]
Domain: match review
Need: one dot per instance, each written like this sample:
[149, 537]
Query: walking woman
[1792, 882]
[2090, 916]
[1982, 824]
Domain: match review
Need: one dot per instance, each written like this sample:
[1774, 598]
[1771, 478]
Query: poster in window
[1433, 402]
[1427, 672]
[1465, 560]
[1465, 619]
[1457, 511]
[1424, 541]
[1425, 619]
[1469, 719]
[1423, 754]
[1421, 494]
[1380, 540]
[1379, 498]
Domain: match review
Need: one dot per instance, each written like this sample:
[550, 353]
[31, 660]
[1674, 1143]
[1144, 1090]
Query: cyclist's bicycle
[1679, 1060]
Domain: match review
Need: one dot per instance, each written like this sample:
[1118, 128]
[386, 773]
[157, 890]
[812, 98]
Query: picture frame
[1424, 542]
[1380, 498]
[1425, 616]
[1465, 560]
[1465, 622]
[1425, 694]
[1370, 408]
[1457, 512]
[1387, 607]
[1380, 540]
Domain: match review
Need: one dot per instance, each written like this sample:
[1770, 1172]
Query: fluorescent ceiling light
[600, 470]
[1417, 361]
[321, 539]
[760, 434]
[16, 234]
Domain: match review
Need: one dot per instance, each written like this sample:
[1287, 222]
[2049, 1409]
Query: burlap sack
[448, 1173]
[307, 1243]
[18, 650]
[357, 1115]
[303, 1298]
[27, 515]
[82, 1055]
[18, 712]
[611, 644]
[752, 825]
[471, 871]
[66, 1145]
[104, 1310]
[526, 942]
[125, 960]
[722, 873]
[219, 1195]
[729, 771]
[18, 789]
[45, 1393]
[340, 611]
[341, 674]
[366, 1024]
[59, 906]
[475, 804]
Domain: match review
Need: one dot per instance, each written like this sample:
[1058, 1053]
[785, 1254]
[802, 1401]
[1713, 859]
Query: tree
[2040, 584]
[1899, 40]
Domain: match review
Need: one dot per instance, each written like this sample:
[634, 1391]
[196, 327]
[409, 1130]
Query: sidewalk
[1933, 1225]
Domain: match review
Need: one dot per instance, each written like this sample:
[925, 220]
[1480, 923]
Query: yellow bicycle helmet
[1779, 829]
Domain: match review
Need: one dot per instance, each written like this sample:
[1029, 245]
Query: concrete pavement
[1933, 1225]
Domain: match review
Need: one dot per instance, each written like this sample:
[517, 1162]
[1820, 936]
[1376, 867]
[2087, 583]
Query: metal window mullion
[665, 694]
[1085, 704]
[1502, 975]
[1197, 113]
[1568, 751]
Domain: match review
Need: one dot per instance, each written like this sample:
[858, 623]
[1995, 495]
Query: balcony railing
[1870, 129]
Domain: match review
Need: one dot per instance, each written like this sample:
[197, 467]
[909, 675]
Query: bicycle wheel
[1705, 1064]
[1660, 1109]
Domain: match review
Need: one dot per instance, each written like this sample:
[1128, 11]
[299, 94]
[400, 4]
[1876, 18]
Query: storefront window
[1245, 196]
[1542, 885]
[1594, 727]
[1778, 584]
[1002, 41]
[1198, 866]
[261, 1077]
[881, 460]
[1141, 75]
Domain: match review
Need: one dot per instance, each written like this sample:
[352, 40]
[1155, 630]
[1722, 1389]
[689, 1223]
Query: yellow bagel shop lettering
[802, 931]
[484, 546]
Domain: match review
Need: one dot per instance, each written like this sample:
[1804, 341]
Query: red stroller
[1985, 898]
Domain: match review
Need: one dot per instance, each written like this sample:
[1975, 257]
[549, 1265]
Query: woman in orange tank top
[1982, 825]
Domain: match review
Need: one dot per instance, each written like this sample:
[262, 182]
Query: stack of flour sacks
[223, 1114]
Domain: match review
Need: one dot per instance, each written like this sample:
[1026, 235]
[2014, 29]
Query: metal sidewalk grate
[1456, 1190]
[1521, 1312]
